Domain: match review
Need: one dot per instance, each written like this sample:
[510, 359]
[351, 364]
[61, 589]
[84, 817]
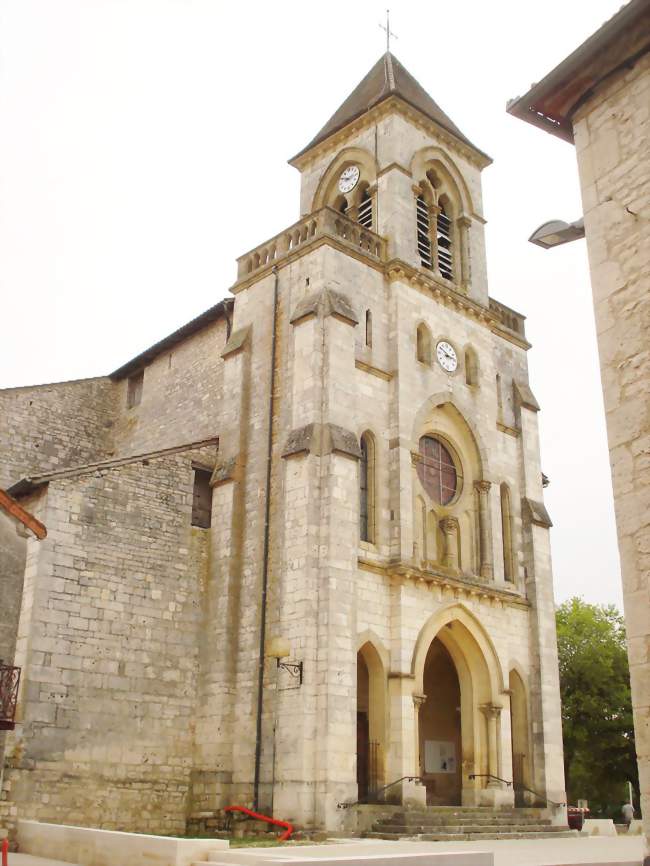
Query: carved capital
[419, 700]
[483, 487]
[491, 711]
[464, 222]
[449, 525]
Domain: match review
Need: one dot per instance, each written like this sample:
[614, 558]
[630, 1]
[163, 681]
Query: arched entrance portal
[371, 721]
[458, 693]
[440, 729]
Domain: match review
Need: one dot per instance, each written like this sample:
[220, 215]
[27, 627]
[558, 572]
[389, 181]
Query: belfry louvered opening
[445, 254]
[424, 237]
[365, 210]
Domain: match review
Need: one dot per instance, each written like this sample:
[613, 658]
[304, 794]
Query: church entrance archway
[458, 692]
[371, 721]
[440, 729]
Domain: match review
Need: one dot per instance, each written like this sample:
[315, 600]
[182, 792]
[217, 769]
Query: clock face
[446, 355]
[349, 178]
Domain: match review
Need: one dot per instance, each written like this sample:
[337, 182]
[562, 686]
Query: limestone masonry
[337, 467]
[599, 99]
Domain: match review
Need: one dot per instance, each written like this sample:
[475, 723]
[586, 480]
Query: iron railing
[375, 794]
[517, 788]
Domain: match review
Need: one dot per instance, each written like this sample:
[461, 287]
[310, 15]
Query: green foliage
[599, 753]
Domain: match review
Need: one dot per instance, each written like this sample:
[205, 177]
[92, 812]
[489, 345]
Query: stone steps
[428, 821]
[410, 829]
[448, 823]
[473, 837]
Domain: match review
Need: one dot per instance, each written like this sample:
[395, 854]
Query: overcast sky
[143, 147]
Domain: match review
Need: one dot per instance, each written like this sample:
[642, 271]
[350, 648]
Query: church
[297, 554]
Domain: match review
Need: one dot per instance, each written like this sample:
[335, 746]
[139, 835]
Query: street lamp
[557, 232]
[279, 648]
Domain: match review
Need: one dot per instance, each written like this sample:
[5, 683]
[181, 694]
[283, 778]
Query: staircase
[462, 823]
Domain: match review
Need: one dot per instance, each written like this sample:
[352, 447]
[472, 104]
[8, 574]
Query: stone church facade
[298, 551]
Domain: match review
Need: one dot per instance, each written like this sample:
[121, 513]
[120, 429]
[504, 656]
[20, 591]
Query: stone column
[434, 210]
[449, 526]
[487, 569]
[462, 228]
[492, 713]
[418, 701]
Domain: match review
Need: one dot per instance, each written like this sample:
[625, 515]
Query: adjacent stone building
[599, 100]
[298, 550]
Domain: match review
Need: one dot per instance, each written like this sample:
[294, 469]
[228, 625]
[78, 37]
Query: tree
[599, 752]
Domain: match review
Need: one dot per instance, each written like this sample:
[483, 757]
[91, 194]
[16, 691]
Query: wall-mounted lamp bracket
[294, 668]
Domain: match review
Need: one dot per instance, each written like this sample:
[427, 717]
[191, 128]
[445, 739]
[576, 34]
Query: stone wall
[12, 566]
[612, 137]
[108, 643]
[180, 396]
[48, 427]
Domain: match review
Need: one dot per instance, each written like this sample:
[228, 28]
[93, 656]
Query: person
[628, 813]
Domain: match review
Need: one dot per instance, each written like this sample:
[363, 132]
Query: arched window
[423, 344]
[506, 534]
[438, 471]
[424, 232]
[367, 489]
[368, 328]
[365, 210]
[341, 204]
[471, 367]
[444, 238]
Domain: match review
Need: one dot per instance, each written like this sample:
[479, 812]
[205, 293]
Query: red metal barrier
[5, 852]
[282, 838]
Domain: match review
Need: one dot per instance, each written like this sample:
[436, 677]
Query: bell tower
[379, 492]
[393, 160]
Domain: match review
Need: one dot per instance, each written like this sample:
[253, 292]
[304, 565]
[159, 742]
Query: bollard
[5, 852]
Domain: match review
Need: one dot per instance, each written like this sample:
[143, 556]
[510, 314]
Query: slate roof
[387, 78]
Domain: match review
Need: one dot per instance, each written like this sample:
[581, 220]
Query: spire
[387, 78]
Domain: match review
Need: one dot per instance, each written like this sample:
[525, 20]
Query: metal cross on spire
[389, 32]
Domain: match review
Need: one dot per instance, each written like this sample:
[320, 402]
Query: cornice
[394, 104]
[374, 371]
[471, 588]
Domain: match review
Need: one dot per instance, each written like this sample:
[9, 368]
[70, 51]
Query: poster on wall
[439, 756]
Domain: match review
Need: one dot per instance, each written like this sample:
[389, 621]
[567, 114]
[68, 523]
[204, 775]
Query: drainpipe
[265, 559]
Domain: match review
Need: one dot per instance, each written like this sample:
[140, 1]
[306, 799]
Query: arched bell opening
[371, 722]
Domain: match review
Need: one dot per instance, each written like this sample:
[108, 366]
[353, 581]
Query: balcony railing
[9, 681]
[325, 222]
[510, 319]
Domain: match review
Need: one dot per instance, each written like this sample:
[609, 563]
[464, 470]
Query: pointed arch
[428, 158]
[520, 734]
[460, 410]
[372, 716]
[481, 684]
[506, 534]
[326, 191]
[480, 645]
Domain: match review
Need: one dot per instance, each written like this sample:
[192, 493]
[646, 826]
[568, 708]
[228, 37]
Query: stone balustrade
[325, 222]
[508, 318]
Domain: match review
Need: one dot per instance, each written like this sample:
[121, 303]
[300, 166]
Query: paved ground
[516, 852]
[600, 851]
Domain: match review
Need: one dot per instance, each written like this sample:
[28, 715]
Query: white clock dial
[446, 355]
[349, 178]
